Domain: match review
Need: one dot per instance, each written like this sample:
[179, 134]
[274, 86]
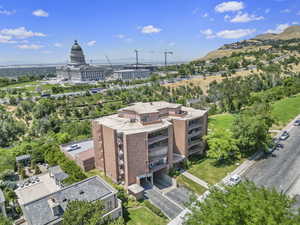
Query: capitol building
[78, 70]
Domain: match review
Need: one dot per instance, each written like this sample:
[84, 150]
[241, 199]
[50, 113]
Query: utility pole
[136, 58]
[166, 57]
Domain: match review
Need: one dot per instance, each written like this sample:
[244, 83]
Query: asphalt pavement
[280, 170]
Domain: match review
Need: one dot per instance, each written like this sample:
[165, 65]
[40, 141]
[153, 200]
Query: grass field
[143, 216]
[206, 170]
[221, 121]
[22, 84]
[285, 110]
[189, 184]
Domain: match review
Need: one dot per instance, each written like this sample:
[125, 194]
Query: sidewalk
[196, 179]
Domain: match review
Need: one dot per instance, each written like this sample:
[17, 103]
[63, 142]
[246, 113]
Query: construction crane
[166, 56]
[136, 58]
[109, 62]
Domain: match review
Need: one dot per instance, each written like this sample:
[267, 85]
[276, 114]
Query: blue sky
[35, 31]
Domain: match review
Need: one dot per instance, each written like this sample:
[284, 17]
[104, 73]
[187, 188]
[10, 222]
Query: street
[280, 170]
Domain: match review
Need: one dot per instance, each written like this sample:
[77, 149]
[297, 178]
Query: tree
[251, 128]
[222, 145]
[244, 204]
[85, 213]
[4, 220]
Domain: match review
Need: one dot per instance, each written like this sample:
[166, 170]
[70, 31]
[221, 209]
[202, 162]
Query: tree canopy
[86, 213]
[244, 204]
[222, 145]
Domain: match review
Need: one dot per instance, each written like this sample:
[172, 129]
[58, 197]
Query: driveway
[169, 208]
[280, 170]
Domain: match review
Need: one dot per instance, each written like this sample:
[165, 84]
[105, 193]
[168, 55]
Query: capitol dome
[77, 56]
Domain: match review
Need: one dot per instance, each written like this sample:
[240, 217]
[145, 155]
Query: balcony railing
[194, 142]
[195, 125]
[195, 133]
[157, 138]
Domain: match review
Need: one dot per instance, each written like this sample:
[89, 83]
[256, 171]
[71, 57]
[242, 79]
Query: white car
[234, 180]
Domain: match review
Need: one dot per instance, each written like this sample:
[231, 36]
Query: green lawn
[221, 121]
[189, 184]
[22, 84]
[286, 109]
[143, 216]
[206, 170]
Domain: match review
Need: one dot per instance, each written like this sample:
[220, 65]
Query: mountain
[291, 32]
[262, 41]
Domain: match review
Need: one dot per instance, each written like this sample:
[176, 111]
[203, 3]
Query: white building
[131, 74]
[78, 70]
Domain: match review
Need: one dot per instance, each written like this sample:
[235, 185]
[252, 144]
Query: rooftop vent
[81, 192]
[55, 207]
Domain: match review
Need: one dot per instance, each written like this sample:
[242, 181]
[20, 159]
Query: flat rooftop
[126, 126]
[34, 191]
[83, 146]
[149, 107]
[91, 189]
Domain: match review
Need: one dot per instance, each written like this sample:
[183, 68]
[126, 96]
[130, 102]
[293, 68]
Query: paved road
[282, 169]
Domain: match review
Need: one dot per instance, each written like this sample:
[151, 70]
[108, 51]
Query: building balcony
[195, 125]
[194, 142]
[157, 139]
[157, 151]
[195, 133]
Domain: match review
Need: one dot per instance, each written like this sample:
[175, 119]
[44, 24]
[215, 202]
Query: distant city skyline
[35, 32]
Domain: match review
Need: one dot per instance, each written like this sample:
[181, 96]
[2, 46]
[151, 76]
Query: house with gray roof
[50, 209]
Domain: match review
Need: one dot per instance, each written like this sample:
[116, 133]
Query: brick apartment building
[146, 139]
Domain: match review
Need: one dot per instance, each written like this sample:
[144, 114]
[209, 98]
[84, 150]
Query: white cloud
[91, 43]
[205, 15]
[285, 11]
[279, 28]
[21, 33]
[233, 34]
[150, 29]
[30, 46]
[267, 11]
[120, 36]
[172, 44]
[6, 39]
[208, 33]
[295, 23]
[58, 45]
[7, 12]
[245, 17]
[40, 13]
[230, 6]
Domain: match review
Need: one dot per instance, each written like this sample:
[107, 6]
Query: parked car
[234, 180]
[297, 123]
[285, 135]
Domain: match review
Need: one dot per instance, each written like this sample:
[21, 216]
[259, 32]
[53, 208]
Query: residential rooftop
[38, 212]
[83, 146]
[128, 126]
[149, 107]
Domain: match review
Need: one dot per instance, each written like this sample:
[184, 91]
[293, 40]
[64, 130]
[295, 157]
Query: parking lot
[281, 169]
